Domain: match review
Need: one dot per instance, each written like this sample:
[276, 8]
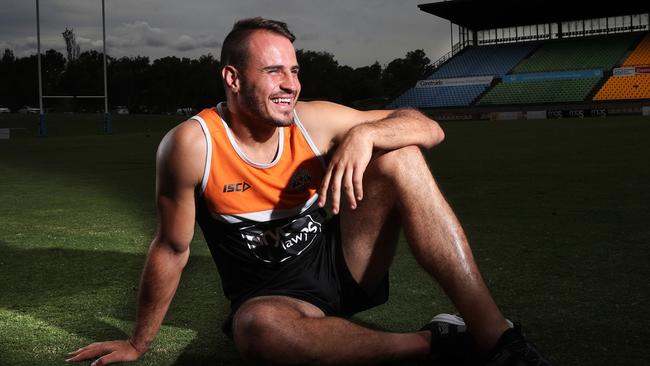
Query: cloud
[87, 43]
[185, 43]
[26, 46]
[188, 43]
[4, 45]
[209, 41]
[138, 33]
[152, 27]
[30, 42]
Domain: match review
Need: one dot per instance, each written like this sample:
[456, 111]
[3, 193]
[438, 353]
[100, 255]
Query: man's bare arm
[356, 134]
[400, 128]
[180, 159]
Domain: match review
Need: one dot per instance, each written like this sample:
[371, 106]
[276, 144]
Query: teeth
[281, 100]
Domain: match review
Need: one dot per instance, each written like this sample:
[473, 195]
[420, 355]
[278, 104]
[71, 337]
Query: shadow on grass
[78, 290]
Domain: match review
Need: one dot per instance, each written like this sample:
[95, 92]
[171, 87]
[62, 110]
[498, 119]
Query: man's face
[269, 79]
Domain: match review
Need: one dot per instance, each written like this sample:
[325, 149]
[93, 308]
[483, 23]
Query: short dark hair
[235, 45]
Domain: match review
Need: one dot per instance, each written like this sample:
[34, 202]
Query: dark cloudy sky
[357, 32]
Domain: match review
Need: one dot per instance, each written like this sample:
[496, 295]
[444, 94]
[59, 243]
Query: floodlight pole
[108, 128]
[42, 125]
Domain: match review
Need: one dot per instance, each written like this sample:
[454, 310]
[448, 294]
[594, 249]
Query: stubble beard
[256, 107]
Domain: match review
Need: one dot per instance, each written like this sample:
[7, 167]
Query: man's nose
[289, 82]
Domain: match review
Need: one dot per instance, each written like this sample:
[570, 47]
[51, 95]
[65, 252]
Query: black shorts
[320, 277]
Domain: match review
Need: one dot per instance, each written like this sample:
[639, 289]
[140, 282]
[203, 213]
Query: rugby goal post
[42, 121]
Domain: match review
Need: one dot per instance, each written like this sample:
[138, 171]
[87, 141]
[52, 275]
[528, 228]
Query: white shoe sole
[456, 320]
[449, 318]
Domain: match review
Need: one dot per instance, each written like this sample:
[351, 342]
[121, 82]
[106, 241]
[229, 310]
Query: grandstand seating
[546, 91]
[602, 52]
[441, 96]
[494, 60]
[641, 54]
[539, 72]
[625, 87]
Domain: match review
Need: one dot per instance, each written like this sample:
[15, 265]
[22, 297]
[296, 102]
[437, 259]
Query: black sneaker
[450, 342]
[513, 349]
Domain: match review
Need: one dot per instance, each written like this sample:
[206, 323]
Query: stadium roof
[489, 14]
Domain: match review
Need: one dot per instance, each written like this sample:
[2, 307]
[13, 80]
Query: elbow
[440, 134]
[170, 250]
[437, 135]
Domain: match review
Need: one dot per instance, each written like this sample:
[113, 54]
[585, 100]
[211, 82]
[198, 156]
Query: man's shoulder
[187, 138]
[182, 152]
[317, 111]
[185, 132]
[317, 106]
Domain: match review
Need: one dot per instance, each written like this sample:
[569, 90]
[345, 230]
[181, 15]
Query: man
[252, 173]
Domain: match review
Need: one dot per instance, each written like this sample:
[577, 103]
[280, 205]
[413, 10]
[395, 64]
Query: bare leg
[399, 184]
[277, 329]
[398, 187]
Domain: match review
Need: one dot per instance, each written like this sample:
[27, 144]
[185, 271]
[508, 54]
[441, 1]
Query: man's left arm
[357, 134]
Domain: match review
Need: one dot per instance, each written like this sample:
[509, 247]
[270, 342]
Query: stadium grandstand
[537, 59]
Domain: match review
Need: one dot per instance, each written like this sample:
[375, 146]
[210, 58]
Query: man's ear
[230, 77]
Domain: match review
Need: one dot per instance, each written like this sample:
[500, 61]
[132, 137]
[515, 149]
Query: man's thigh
[370, 232]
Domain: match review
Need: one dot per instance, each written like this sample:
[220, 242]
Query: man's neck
[258, 140]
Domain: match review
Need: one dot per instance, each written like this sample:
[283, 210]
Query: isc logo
[236, 187]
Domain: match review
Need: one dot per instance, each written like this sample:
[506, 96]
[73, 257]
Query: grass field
[557, 212]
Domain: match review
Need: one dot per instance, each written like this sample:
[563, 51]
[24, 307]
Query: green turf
[556, 211]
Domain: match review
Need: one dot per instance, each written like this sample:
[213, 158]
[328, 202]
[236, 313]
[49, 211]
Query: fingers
[357, 182]
[322, 191]
[109, 358]
[91, 351]
[108, 352]
[349, 188]
[335, 189]
[337, 179]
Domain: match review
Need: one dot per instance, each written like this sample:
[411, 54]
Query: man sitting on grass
[256, 171]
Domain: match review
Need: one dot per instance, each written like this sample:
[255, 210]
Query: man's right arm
[179, 168]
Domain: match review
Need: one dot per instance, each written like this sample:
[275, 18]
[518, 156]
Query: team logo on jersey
[236, 187]
[300, 180]
[277, 244]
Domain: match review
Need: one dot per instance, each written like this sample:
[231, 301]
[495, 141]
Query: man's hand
[346, 168]
[106, 352]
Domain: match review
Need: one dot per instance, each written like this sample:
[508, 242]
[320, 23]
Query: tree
[7, 75]
[71, 45]
[402, 73]
[53, 68]
[129, 83]
[364, 84]
[318, 72]
[23, 82]
[168, 83]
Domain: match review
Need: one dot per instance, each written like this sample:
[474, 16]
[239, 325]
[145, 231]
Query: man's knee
[400, 163]
[262, 328]
[255, 327]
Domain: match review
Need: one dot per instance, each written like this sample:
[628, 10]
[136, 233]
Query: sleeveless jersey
[258, 218]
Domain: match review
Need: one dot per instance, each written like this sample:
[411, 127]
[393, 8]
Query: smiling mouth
[282, 101]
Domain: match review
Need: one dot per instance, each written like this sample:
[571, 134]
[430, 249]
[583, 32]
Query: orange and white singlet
[258, 218]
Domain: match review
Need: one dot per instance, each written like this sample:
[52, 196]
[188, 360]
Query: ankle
[488, 337]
